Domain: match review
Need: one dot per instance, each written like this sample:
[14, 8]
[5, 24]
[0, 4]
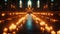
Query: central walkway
[30, 27]
[29, 22]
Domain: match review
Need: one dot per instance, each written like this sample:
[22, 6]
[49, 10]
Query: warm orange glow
[44, 6]
[21, 25]
[24, 22]
[14, 32]
[3, 14]
[53, 20]
[22, 13]
[0, 21]
[42, 23]
[52, 14]
[51, 28]
[10, 13]
[46, 25]
[36, 21]
[12, 27]
[58, 32]
[5, 29]
[53, 32]
[37, 13]
[49, 14]
[9, 19]
[21, 19]
[13, 13]
[9, 33]
[42, 28]
[17, 13]
[12, 6]
[17, 29]
[35, 18]
[59, 14]
[42, 13]
[47, 28]
[4, 33]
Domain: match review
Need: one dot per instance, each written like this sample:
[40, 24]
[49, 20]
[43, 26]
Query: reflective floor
[29, 23]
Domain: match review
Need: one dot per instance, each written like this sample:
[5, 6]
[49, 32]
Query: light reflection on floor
[29, 22]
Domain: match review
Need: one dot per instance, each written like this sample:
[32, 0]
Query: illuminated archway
[20, 3]
[38, 4]
[29, 3]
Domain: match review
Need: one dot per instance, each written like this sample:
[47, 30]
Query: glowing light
[13, 13]
[14, 32]
[42, 23]
[21, 19]
[21, 25]
[47, 28]
[24, 22]
[53, 20]
[52, 14]
[5, 29]
[3, 14]
[36, 21]
[53, 32]
[12, 27]
[51, 3]
[42, 28]
[49, 14]
[9, 19]
[46, 25]
[29, 3]
[17, 29]
[17, 13]
[20, 2]
[52, 0]
[0, 21]
[38, 3]
[12, 6]
[51, 28]
[35, 18]
[4, 33]
[5, 0]
[10, 14]
[43, 13]
[58, 32]
[46, 6]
